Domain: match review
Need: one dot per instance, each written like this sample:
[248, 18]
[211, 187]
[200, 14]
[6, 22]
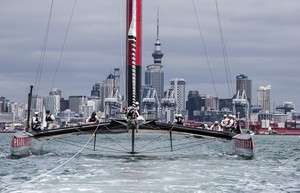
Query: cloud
[261, 39]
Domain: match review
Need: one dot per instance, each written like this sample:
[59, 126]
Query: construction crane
[151, 105]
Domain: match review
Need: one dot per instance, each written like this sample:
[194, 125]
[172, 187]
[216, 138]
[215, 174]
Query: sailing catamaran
[23, 142]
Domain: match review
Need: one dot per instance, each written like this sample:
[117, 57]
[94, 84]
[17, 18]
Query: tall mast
[133, 51]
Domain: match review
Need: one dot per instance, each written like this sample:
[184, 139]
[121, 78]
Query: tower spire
[157, 28]
[157, 54]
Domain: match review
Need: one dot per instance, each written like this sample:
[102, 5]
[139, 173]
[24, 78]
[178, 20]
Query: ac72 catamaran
[23, 142]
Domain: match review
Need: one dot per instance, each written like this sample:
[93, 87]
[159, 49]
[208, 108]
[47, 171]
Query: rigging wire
[156, 138]
[204, 48]
[122, 60]
[225, 58]
[43, 53]
[64, 43]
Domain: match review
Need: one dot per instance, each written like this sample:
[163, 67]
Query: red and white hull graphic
[21, 139]
[244, 145]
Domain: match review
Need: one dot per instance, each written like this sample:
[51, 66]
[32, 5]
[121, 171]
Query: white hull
[244, 145]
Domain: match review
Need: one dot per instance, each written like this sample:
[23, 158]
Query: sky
[261, 38]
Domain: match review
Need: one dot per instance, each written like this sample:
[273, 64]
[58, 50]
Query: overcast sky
[262, 40]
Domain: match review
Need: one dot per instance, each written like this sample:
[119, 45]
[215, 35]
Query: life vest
[224, 122]
[48, 118]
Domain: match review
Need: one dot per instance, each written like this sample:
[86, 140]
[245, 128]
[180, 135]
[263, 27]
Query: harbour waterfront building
[195, 103]
[264, 98]
[64, 104]
[52, 103]
[76, 101]
[154, 74]
[243, 83]
[203, 107]
[3, 104]
[86, 109]
[178, 86]
[69, 118]
[37, 104]
[225, 104]
[211, 103]
[18, 109]
[107, 88]
[96, 90]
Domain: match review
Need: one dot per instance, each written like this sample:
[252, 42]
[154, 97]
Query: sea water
[72, 164]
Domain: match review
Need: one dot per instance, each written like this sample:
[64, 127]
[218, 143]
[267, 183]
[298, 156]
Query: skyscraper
[52, 103]
[75, 102]
[263, 98]
[243, 83]
[154, 74]
[178, 85]
[195, 103]
[108, 88]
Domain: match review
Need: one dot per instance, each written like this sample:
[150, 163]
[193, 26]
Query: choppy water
[194, 165]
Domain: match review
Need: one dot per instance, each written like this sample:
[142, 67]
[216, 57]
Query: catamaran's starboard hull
[244, 145]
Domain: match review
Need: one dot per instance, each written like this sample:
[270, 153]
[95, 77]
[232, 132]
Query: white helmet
[36, 113]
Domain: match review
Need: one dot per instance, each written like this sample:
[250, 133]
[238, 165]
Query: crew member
[36, 122]
[93, 118]
[230, 125]
[133, 116]
[49, 120]
[224, 123]
[215, 126]
[133, 111]
[178, 119]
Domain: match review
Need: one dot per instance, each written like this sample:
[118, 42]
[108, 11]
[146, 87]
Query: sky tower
[154, 74]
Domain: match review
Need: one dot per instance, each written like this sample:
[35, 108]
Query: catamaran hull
[244, 145]
[23, 144]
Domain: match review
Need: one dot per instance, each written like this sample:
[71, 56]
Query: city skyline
[260, 42]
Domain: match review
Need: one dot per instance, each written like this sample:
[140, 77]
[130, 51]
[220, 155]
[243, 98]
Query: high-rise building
[108, 88]
[154, 74]
[243, 83]
[263, 98]
[75, 102]
[37, 103]
[194, 104]
[178, 85]
[52, 103]
[55, 91]
[96, 90]
[64, 104]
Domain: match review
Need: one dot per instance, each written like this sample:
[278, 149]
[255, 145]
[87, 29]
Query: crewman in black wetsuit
[93, 118]
[49, 120]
